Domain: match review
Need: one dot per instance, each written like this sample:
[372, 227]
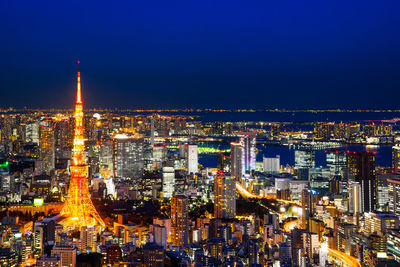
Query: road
[246, 194]
[345, 258]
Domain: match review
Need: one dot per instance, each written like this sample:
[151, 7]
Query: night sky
[217, 54]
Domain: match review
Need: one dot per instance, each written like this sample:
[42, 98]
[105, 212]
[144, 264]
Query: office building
[160, 235]
[355, 198]
[396, 158]
[88, 239]
[47, 148]
[128, 156]
[379, 222]
[32, 132]
[361, 167]
[394, 195]
[67, 255]
[336, 161]
[309, 200]
[236, 160]
[48, 262]
[168, 182]
[304, 159]
[153, 255]
[272, 165]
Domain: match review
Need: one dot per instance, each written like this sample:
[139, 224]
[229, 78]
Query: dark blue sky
[145, 54]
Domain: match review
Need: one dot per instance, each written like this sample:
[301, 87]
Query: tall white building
[168, 182]
[192, 158]
[128, 156]
[236, 160]
[272, 165]
[248, 141]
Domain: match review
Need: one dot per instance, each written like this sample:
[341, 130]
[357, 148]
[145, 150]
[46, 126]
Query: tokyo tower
[78, 208]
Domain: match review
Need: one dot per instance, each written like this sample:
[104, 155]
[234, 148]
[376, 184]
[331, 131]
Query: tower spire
[78, 208]
[78, 93]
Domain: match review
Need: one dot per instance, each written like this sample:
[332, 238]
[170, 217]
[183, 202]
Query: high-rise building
[224, 196]
[224, 162]
[32, 132]
[192, 158]
[362, 170]
[179, 220]
[272, 165]
[380, 222]
[67, 255]
[88, 238]
[236, 160]
[304, 159]
[323, 130]
[396, 158]
[160, 235]
[309, 199]
[336, 161]
[355, 199]
[47, 147]
[128, 156]
[394, 195]
[248, 142]
[285, 255]
[168, 182]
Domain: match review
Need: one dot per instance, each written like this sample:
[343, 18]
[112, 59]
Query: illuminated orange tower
[78, 208]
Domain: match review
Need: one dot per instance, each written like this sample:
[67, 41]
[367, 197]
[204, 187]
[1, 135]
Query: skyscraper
[362, 170]
[396, 158]
[236, 160]
[128, 156]
[168, 182]
[224, 196]
[394, 196]
[355, 199]
[192, 158]
[304, 159]
[179, 220]
[248, 141]
[336, 161]
[47, 147]
[309, 200]
[88, 238]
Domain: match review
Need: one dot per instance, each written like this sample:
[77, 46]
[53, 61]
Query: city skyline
[189, 55]
[258, 134]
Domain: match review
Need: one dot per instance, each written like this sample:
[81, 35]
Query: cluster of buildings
[129, 190]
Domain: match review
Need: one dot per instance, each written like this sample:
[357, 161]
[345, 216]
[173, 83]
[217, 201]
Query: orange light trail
[345, 258]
